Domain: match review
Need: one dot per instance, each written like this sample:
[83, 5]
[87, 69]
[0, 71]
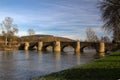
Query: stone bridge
[59, 46]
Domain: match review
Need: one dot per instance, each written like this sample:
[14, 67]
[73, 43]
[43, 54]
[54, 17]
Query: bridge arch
[46, 45]
[71, 45]
[68, 47]
[93, 45]
[89, 47]
[33, 45]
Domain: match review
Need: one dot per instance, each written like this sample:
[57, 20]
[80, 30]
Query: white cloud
[63, 17]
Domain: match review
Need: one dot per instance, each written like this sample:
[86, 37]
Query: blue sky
[66, 18]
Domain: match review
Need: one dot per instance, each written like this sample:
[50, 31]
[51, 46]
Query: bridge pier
[40, 45]
[102, 49]
[57, 46]
[26, 46]
[77, 49]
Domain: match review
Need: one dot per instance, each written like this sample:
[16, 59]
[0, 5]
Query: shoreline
[106, 68]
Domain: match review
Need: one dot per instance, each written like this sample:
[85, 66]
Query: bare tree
[31, 32]
[91, 36]
[105, 39]
[8, 28]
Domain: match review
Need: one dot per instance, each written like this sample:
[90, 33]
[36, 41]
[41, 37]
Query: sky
[64, 18]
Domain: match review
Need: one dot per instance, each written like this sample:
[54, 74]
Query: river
[25, 65]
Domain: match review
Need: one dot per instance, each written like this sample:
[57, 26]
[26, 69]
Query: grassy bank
[106, 68]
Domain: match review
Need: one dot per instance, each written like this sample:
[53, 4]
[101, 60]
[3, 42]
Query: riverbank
[13, 47]
[106, 68]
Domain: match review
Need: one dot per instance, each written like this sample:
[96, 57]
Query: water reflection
[8, 65]
[78, 58]
[102, 54]
[89, 50]
[57, 57]
[99, 55]
[24, 65]
[40, 54]
[27, 54]
[68, 49]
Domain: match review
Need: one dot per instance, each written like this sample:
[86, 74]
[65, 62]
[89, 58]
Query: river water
[25, 65]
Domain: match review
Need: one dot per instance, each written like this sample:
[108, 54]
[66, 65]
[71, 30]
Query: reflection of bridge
[59, 46]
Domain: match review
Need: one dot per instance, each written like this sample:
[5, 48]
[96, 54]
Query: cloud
[57, 17]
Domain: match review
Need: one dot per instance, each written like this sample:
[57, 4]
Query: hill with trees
[45, 38]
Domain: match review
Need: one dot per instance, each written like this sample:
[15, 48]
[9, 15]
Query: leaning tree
[111, 17]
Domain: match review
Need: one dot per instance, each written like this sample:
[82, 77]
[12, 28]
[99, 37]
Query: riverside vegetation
[106, 68]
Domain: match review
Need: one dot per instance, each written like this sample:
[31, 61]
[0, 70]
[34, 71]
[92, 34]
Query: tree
[91, 36]
[8, 28]
[31, 32]
[105, 39]
[111, 17]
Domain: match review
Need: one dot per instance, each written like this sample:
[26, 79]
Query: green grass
[106, 68]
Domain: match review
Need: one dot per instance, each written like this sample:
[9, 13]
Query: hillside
[45, 38]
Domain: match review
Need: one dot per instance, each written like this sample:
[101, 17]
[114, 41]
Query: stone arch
[45, 46]
[92, 46]
[49, 48]
[32, 45]
[68, 45]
